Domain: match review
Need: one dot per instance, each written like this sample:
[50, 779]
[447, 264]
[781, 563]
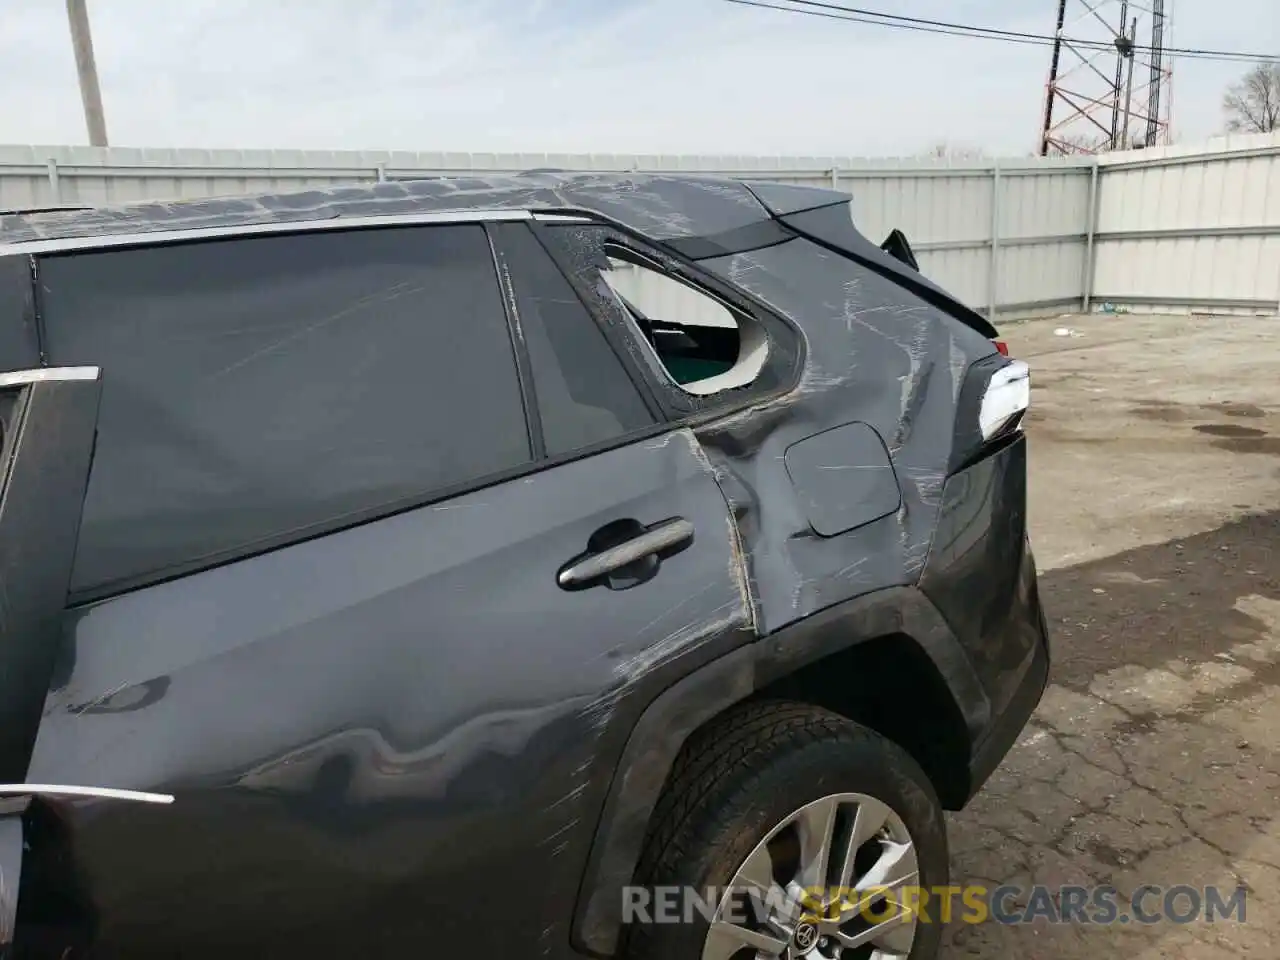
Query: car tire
[735, 784]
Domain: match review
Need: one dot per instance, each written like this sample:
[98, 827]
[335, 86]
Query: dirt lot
[1155, 756]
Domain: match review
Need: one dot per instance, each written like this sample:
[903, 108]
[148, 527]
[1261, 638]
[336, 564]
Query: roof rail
[24, 210]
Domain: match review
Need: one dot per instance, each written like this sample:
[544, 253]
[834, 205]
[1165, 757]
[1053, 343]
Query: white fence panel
[943, 206]
[1191, 228]
[964, 273]
[1044, 204]
[1035, 278]
[1166, 228]
[1233, 274]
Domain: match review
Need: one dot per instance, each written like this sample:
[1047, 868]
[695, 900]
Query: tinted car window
[258, 388]
[19, 349]
[584, 393]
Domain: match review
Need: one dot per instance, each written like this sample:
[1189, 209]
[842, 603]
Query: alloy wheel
[825, 884]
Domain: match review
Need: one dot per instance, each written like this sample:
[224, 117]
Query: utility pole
[1128, 93]
[87, 69]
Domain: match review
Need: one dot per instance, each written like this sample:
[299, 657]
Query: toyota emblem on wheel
[805, 937]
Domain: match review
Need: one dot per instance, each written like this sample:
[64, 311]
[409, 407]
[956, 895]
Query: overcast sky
[634, 76]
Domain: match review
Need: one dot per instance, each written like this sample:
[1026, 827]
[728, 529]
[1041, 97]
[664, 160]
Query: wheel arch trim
[673, 716]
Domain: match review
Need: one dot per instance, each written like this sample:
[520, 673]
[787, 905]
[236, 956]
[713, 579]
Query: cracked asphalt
[1154, 757]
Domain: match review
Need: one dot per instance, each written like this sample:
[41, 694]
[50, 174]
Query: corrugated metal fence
[1168, 228]
[1198, 227]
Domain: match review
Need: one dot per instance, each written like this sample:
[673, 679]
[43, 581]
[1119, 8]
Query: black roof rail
[25, 210]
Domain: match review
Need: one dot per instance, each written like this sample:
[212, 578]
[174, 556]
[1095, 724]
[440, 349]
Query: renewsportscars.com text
[975, 903]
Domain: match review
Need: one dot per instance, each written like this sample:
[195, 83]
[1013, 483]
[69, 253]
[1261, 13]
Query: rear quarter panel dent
[862, 332]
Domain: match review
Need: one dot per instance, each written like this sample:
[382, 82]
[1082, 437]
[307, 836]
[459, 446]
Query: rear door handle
[651, 543]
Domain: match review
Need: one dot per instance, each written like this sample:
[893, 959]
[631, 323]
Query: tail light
[1006, 399]
[994, 398]
[1002, 347]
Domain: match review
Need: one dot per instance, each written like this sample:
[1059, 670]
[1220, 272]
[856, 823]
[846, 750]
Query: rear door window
[259, 390]
[583, 392]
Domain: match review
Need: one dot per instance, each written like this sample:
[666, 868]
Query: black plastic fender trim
[904, 610]
[675, 714]
[642, 771]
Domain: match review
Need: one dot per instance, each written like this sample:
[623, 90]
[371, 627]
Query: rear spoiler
[897, 246]
[823, 216]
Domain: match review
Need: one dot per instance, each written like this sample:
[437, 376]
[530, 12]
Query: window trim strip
[519, 349]
[238, 230]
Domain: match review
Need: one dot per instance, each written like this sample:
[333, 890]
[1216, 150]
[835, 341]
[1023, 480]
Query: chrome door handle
[660, 538]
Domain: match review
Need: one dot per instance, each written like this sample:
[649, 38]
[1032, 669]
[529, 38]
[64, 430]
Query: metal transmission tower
[1091, 104]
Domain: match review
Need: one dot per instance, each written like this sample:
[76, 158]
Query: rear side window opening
[702, 344]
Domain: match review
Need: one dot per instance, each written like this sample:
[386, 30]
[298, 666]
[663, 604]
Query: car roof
[661, 206]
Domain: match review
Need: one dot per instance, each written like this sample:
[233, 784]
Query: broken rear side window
[703, 345]
[259, 389]
[699, 342]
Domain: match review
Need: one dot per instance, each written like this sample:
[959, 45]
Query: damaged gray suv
[551, 565]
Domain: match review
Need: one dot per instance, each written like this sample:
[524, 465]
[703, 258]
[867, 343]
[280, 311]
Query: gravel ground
[1155, 755]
